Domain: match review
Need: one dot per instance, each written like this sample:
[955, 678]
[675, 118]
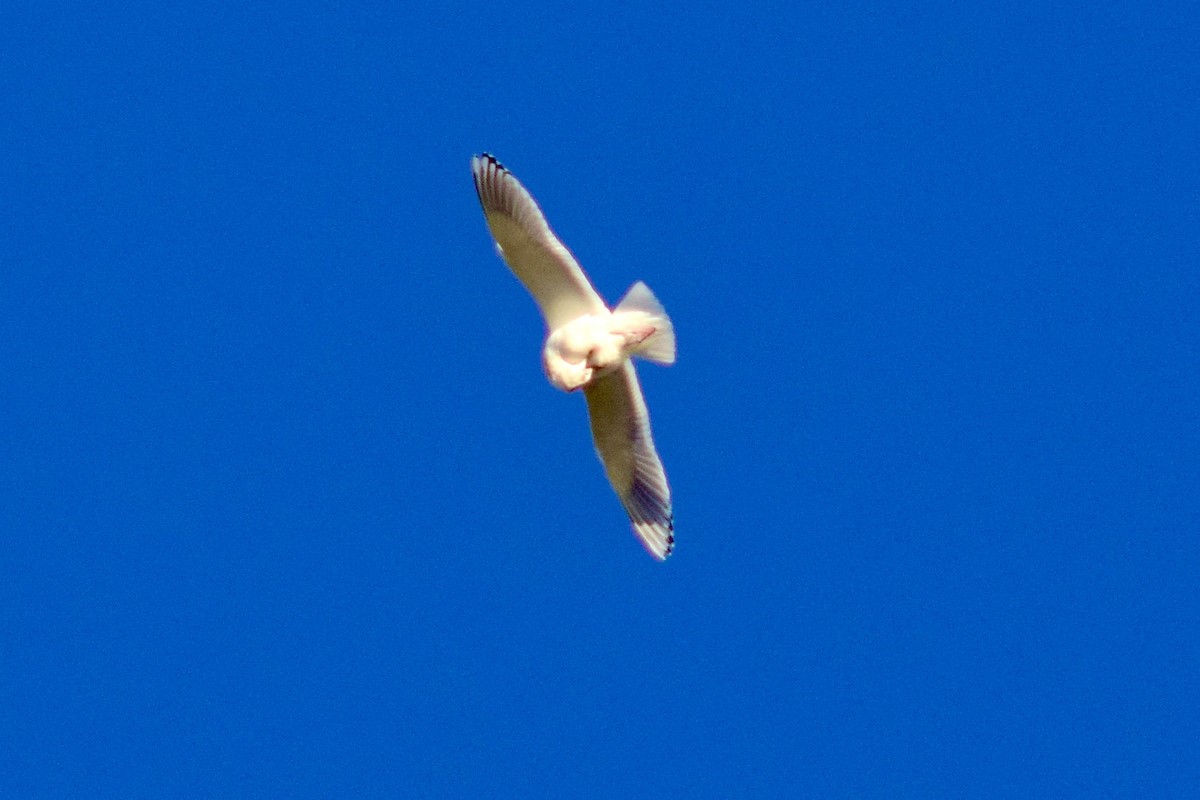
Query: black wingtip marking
[483, 177]
[492, 167]
[491, 159]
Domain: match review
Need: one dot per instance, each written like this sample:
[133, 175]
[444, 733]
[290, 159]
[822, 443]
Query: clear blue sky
[287, 507]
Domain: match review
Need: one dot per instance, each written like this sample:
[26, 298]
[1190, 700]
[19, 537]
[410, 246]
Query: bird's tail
[641, 305]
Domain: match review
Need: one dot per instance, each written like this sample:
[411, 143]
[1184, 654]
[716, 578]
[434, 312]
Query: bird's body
[589, 347]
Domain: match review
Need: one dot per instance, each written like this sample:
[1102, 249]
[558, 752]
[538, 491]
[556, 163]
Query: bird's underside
[590, 347]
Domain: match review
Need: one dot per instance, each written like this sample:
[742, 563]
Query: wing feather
[535, 255]
[621, 431]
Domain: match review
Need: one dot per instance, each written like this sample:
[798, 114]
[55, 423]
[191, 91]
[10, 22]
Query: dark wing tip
[654, 528]
[490, 176]
[669, 525]
[486, 171]
[490, 159]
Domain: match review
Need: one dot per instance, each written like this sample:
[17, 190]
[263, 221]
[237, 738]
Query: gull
[589, 347]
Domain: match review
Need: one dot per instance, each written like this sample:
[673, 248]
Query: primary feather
[530, 248]
[621, 431]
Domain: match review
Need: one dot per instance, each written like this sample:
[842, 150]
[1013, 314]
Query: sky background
[287, 507]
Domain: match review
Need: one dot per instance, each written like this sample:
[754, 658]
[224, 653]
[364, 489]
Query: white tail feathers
[640, 304]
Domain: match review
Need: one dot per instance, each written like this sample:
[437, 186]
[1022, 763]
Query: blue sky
[288, 508]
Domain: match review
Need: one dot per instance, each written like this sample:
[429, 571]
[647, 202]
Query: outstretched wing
[532, 251]
[621, 430]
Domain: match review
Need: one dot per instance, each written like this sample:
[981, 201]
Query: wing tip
[670, 544]
[492, 182]
[658, 537]
[485, 160]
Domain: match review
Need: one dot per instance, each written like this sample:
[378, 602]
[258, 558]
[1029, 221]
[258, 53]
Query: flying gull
[589, 347]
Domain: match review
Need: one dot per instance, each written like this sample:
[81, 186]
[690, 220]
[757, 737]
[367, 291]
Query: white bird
[589, 347]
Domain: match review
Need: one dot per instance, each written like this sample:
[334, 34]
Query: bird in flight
[589, 347]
